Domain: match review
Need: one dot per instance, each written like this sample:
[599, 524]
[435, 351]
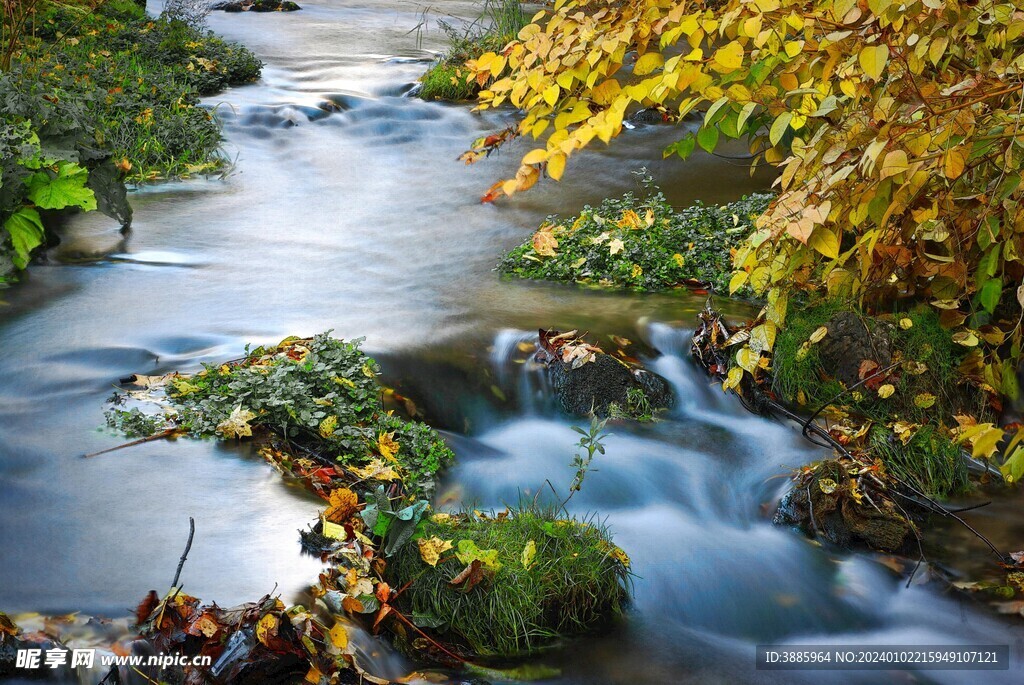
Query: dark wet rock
[647, 116]
[823, 506]
[599, 384]
[256, 6]
[851, 340]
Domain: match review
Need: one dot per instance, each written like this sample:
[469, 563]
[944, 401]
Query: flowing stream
[346, 210]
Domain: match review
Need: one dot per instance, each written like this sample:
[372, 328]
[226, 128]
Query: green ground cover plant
[640, 242]
[96, 94]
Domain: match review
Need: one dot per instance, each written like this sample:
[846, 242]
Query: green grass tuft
[930, 461]
[448, 78]
[575, 582]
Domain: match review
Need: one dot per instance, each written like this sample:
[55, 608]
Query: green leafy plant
[321, 393]
[590, 444]
[639, 242]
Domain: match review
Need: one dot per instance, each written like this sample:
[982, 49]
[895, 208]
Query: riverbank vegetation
[97, 94]
[894, 128]
[488, 585]
[449, 78]
[640, 242]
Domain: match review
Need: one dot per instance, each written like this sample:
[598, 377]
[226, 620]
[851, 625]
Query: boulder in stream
[587, 380]
[853, 339]
[825, 502]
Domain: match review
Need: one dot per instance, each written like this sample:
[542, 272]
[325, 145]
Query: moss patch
[638, 242]
[910, 406]
[550, 578]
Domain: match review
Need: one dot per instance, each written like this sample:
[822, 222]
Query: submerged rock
[256, 6]
[824, 504]
[851, 340]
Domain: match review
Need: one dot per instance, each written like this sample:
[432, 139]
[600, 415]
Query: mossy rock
[825, 507]
[607, 386]
[927, 386]
[851, 340]
[544, 578]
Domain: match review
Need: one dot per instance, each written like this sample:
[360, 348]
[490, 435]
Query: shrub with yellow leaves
[895, 127]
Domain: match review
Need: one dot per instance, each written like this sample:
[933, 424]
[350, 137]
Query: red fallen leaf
[381, 615]
[471, 576]
[145, 608]
[493, 193]
[867, 368]
[869, 373]
[383, 592]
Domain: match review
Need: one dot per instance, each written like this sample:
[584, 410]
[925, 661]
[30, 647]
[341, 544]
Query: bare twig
[184, 555]
[167, 433]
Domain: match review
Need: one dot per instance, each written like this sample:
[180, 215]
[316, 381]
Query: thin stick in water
[184, 555]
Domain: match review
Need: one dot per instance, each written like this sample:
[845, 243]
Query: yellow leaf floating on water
[387, 445]
[431, 549]
[529, 553]
[237, 424]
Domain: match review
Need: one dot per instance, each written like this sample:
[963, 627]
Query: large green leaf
[26, 231]
[66, 189]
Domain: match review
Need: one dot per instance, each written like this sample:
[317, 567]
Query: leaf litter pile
[450, 588]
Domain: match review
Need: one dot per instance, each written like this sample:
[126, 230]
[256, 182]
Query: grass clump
[542, 578]
[638, 242]
[448, 79]
[907, 410]
[930, 461]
